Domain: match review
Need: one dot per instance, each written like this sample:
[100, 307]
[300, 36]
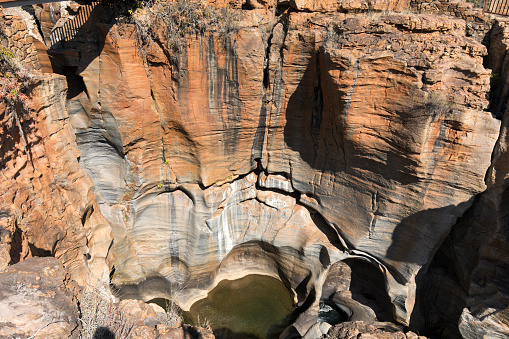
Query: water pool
[256, 306]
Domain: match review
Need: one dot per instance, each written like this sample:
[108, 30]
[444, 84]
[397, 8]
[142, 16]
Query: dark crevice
[497, 101]
[442, 285]
[16, 246]
[367, 286]
[247, 6]
[39, 252]
[326, 228]
[75, 83]
[117, 148]
[266, 77]
[86, 215]
[283, 8]
[295, 195]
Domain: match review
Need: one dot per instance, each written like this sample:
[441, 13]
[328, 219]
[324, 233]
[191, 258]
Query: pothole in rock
[330, 314]
[255, 306]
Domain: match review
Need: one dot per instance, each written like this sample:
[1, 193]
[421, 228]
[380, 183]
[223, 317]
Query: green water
[255, 306]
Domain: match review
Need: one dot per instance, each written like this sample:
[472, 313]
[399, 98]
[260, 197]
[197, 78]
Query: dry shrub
[14, 79]
[172, 316]
[437, 102]
[100, 316]
[182, 17]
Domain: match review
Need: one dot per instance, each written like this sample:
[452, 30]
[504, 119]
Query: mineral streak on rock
[331, 149]
[377, 125]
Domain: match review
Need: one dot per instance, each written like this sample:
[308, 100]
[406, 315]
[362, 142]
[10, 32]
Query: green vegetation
[13, 80]
[5, 53]
[121, 11]
[167, 162]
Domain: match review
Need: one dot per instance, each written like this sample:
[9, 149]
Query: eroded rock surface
[377, 124]
[35, 301]
[332, 149]
[47, 207]
[327, 147]
[362, 330]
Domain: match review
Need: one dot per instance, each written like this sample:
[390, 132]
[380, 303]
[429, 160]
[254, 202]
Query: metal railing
[71, 28]
[500, 7]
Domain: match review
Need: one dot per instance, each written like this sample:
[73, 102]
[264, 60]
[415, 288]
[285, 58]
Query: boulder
[35, 301]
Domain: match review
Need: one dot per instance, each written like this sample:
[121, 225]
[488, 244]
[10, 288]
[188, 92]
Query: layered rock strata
[334, 151]
[376, 124]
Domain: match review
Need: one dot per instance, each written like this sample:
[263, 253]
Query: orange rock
[378, 129]
[282, 149]
[52, 189]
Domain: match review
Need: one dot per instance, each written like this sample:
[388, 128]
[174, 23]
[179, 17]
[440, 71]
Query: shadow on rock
[417, 237]
[103, 333]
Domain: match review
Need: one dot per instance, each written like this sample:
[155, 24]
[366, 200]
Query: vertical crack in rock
[276, 82]
[231, 96]
[228, 93]
[374, 211]
[317, 115]
[351, 91]
[258, 147]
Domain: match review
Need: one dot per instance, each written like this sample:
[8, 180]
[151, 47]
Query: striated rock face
[332, 150]
[375, 125]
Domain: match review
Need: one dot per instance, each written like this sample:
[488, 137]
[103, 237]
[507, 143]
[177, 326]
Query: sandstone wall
[377, 124]
[478, 24]
[47, 205]
[15, 37]
[289, 146]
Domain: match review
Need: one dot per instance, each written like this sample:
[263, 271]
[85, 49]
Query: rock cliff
[349, 149]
